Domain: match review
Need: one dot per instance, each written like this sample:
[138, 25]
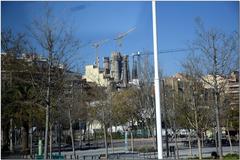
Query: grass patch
[231, 156]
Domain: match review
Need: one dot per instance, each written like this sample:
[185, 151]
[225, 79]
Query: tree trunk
[177, 149]
[24, 138]
[176, 145]
[199, 146]
[84, 134]
[46, 126]
[166, 139]
[111, 140]
[202, 139]
[88, 133]
[80, 140]
[105, 141]
[189, 143]
[59, 138]
[71, 132]
[50, 141]
[10, 130]
[31, 135]
[132, 141]
[229, 137]
[48, 105]
[80, 134]
[31, 139]
[219, 131]
[95, 137]
[5, 137]
[15, 136]
[198, 134]
[149, 128]
[11, 135]
[154, 142]
[216, 97]
[215, 138]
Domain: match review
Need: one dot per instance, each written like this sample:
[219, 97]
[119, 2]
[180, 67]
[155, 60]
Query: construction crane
[120, 37]
[138, 54]
[83, 45]
[96, 45]
[160, 52]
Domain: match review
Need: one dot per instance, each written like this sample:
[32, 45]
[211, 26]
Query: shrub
[145, 149]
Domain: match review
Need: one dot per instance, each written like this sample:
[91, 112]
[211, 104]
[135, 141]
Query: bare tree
[145, 96]
[171, 111]
[216, 55]
[57, 42]
[194, 111]
[101, 111]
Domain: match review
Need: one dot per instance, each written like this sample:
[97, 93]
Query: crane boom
[96, 45]
[99, 43]
[120, 37]
[160, 52]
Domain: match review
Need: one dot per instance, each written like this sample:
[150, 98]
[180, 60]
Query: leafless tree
[145, 96]
[101, 111]
[57, 42]
[171, 106]
[213, 53]
[194, 110]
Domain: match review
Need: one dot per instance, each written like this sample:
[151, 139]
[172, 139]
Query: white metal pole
[156, 83]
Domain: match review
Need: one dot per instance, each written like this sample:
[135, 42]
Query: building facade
[115, 70]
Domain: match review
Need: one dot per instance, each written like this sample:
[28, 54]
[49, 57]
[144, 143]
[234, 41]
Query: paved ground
[118, 153]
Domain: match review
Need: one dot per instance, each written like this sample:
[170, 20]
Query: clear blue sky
[92, 21]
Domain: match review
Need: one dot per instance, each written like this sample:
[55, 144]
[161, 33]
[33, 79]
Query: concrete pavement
[184, 153]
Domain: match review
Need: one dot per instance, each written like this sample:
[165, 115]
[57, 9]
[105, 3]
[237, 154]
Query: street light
[156, 82]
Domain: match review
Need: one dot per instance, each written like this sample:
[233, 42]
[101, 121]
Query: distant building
[116, 66]
[229, 86]
[208, 81]
[115, 70]
[232, 89]
[94, 74]
[178, 82]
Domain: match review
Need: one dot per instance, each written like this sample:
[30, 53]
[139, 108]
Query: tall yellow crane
[120, 36]
[96, 45]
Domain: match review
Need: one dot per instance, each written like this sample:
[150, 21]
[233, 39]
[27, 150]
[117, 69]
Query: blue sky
[93, 21]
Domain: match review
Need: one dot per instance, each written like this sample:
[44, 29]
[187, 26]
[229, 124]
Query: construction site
[118, 69]
[120, 80]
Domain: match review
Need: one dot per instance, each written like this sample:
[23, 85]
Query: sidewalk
[184, 153]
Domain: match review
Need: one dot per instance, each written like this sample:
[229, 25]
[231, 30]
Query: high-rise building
[114, 70]
[116, 66]
[106, 65]
[125, 70]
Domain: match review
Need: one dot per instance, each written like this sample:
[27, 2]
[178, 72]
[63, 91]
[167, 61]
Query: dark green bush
[145, 149]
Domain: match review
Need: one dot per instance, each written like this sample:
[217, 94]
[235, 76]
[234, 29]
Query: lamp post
[156, 83]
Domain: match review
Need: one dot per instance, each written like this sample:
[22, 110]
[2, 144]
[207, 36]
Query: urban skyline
[119, 106]
[94, 21]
